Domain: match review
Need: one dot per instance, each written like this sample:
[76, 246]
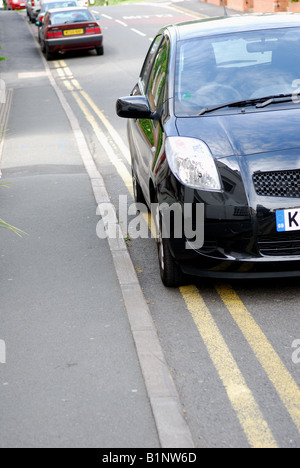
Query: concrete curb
[172, 427]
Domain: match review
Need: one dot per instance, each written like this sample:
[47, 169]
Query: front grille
[284, 244]
[277, 184]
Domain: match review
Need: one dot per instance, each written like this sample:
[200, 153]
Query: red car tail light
[53, 34]
[93, 29]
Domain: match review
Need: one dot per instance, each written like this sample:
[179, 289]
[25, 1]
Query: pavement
[83, 366]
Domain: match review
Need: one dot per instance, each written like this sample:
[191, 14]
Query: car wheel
[170, 273]
[48, 54]
[100, 50]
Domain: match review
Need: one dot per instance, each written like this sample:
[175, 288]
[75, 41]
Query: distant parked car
[83, 3]
[32, 8]
[50, 5]
[16, 4]
[67, 29]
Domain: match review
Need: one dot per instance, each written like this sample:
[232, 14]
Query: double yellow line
[83, 100]
[251, 419]
[239, 394]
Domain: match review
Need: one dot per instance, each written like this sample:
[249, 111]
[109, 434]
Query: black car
[214, 122]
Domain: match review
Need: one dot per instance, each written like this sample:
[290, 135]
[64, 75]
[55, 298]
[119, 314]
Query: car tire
[48, 54]
[100, 50]
[170, 273]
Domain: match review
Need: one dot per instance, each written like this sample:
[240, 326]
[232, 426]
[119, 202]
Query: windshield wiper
[275, 99]
[260, 103]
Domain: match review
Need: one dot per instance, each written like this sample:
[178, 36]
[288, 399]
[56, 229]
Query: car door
[147, 133]
[42, 30]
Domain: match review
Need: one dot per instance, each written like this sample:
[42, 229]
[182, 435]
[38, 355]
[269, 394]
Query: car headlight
[192, 163]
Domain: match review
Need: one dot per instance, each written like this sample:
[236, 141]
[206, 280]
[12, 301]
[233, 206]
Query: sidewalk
[83, 364]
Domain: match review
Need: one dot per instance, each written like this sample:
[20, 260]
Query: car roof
[238, 23]
[59, 1]
[74, 8]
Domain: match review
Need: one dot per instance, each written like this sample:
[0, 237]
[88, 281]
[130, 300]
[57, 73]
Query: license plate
[73, 32]
[288, 220]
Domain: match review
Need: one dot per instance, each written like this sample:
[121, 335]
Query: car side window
[158, 74]
[144, 76]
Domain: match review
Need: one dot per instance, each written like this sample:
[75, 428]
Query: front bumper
[232, 268]
[240, 235]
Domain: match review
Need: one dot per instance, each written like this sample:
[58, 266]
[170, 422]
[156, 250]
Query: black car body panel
[257, 154]
[245, 134]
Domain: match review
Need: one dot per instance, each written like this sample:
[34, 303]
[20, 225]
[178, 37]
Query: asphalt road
[231, 348]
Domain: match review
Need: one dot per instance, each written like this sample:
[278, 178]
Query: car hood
[244, 134]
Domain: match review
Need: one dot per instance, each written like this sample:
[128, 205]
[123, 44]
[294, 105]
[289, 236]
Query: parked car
[50, 5]
[83, 3]
[214, 122]
[15, 4]
[32, 9]
[67, 29]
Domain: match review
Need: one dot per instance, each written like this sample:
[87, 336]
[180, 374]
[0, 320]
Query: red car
[67, 29]
[15, 4]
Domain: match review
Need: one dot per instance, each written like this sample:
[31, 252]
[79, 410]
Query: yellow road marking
[75, 84]
[64, 70]
[118, 164]
[71, 83]
[255, 427]
[116, 137]
[281, 379]
[68, 85]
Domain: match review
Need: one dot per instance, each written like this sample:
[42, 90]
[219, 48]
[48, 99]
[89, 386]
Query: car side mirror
[134, 107]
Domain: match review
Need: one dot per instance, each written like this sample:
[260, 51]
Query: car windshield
[232, 67]
[70, 16]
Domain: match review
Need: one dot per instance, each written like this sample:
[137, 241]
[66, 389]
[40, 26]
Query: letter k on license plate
[288, 220]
